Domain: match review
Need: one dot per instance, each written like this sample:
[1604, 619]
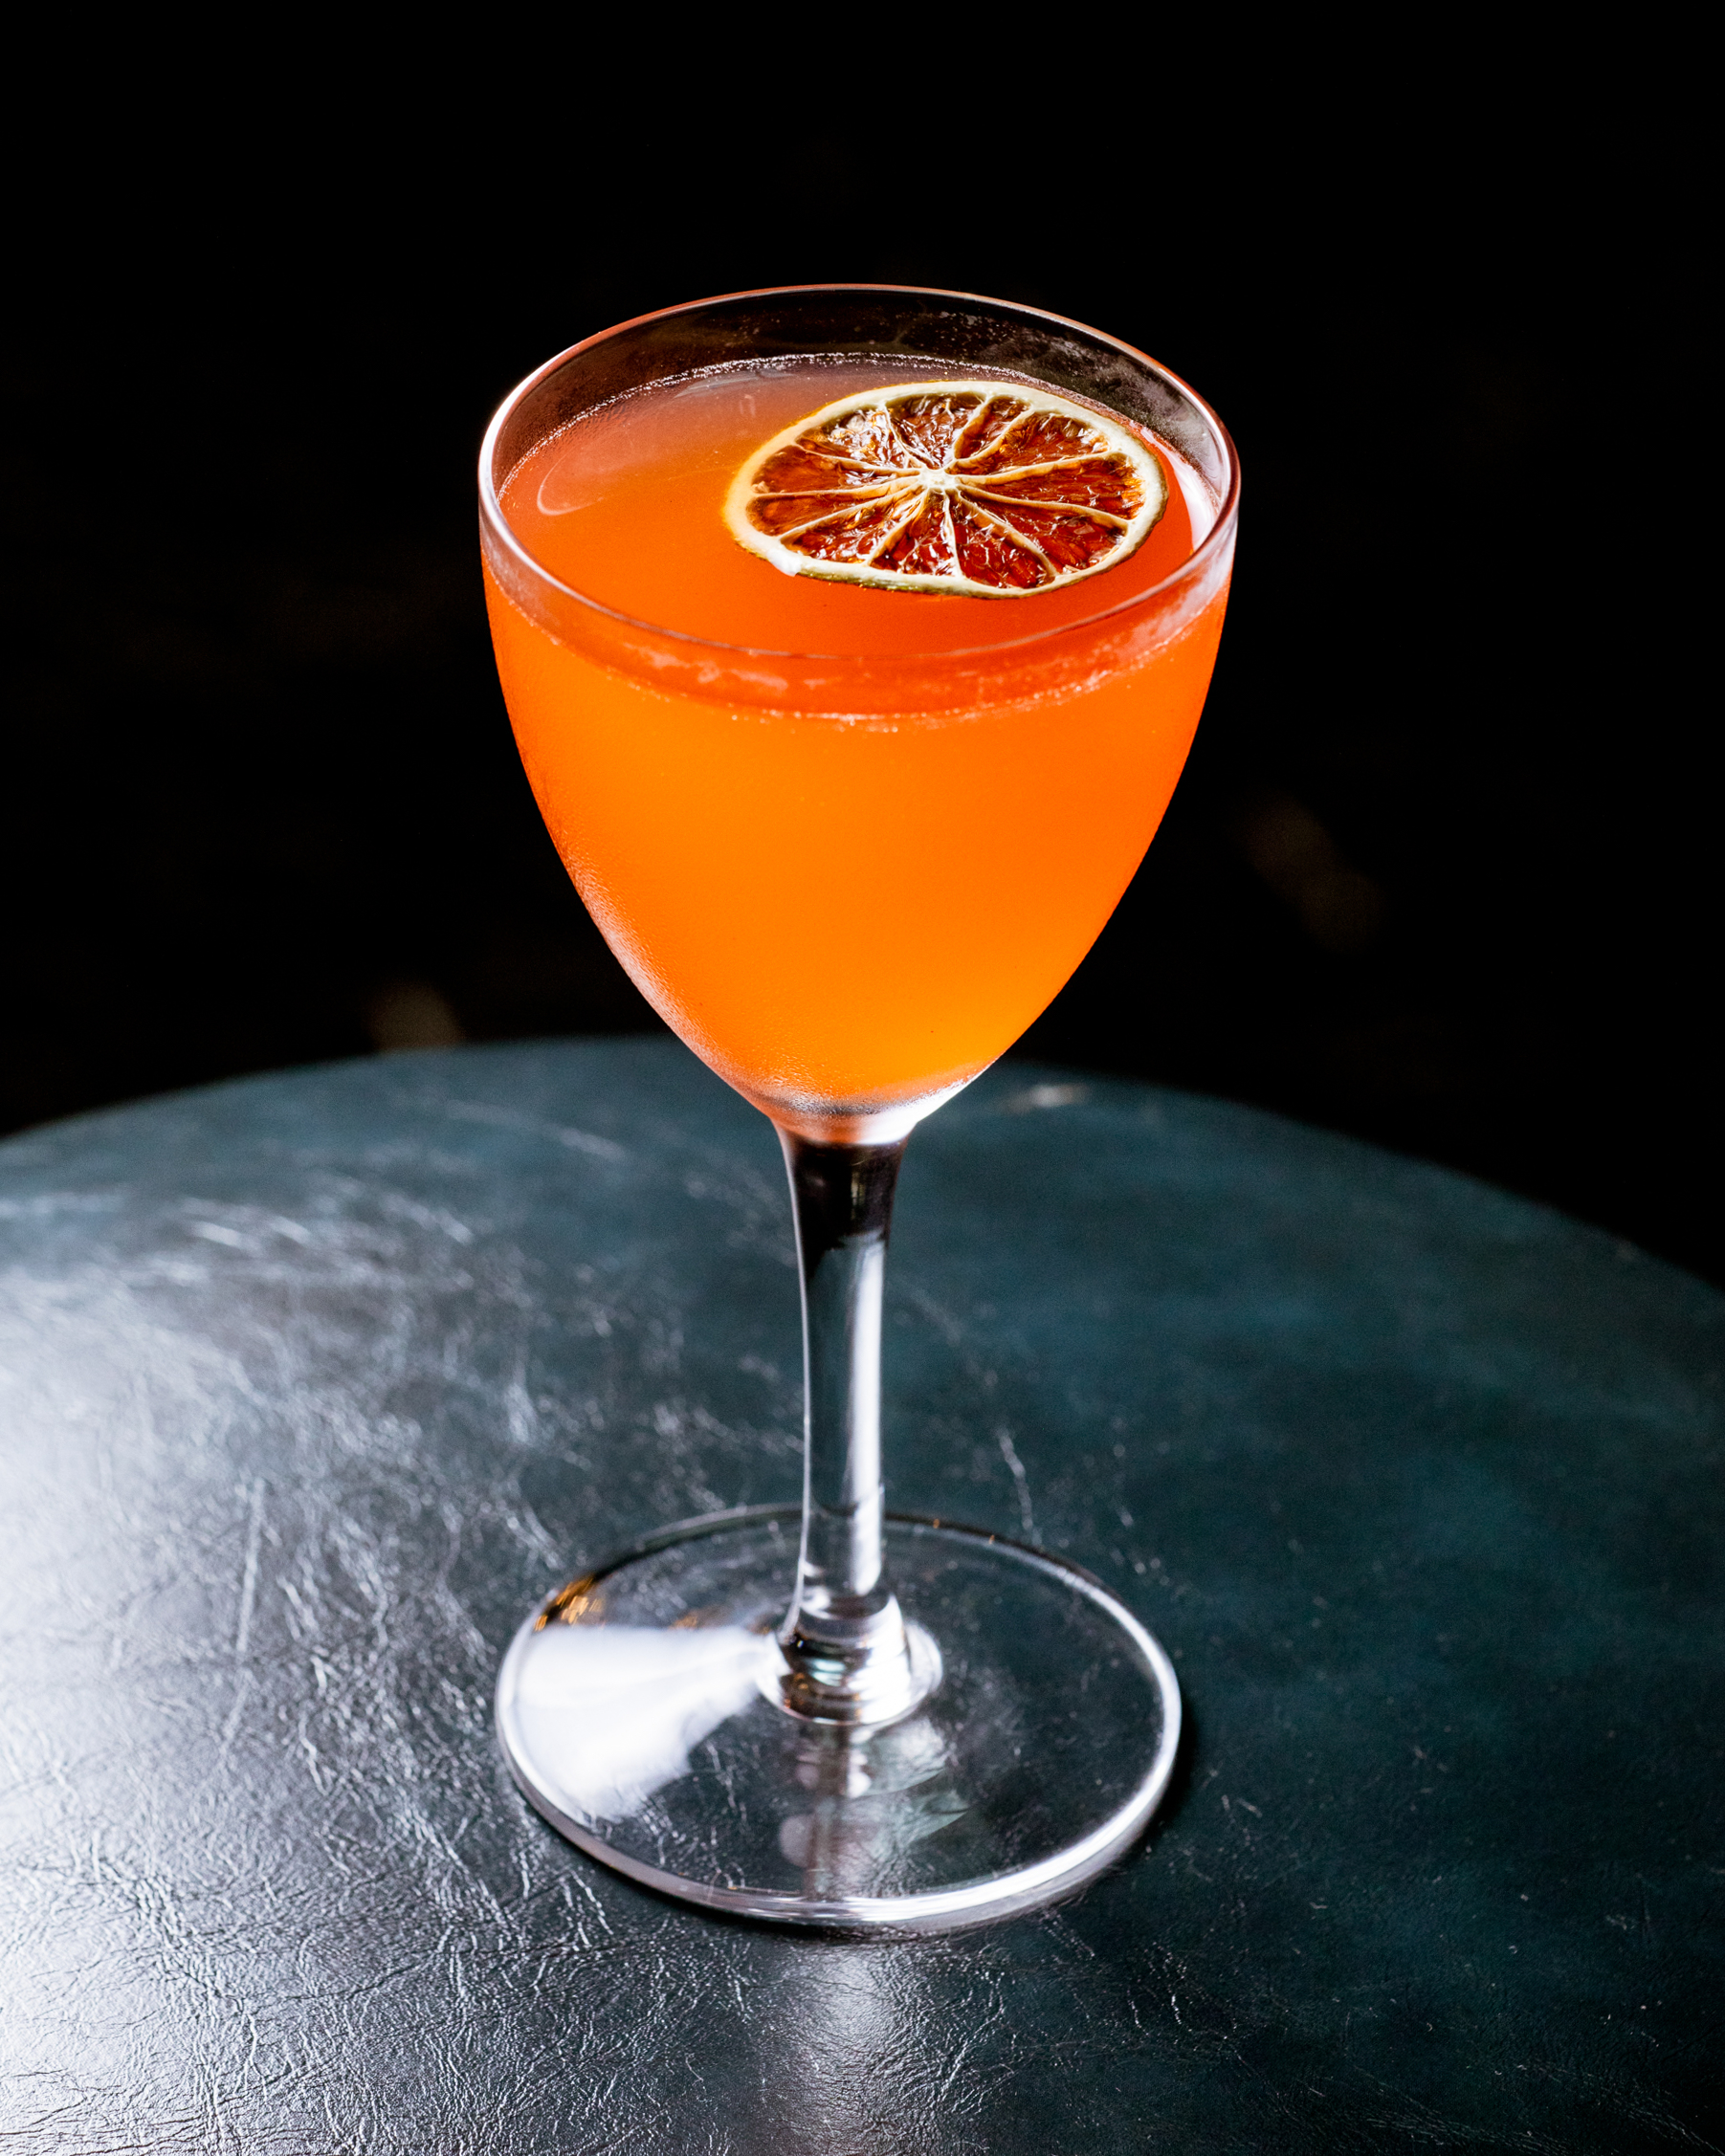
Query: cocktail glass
[849, 879]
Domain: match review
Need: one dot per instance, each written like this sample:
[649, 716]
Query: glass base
[641, 1711]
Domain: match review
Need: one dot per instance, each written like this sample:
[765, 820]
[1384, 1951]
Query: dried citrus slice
[979, 487]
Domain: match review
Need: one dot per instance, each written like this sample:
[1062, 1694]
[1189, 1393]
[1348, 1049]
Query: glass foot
[641, 1711]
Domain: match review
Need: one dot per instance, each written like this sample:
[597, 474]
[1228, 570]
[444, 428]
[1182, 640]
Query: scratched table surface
[311, 1385]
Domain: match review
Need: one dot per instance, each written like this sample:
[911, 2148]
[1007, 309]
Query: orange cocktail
[849, 840]
[853, 639]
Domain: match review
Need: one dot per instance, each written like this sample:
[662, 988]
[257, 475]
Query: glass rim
[1214, 540]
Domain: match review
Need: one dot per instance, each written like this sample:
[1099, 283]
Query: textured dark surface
[311, 1385]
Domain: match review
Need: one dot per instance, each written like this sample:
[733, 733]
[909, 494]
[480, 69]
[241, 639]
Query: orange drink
[849, 840]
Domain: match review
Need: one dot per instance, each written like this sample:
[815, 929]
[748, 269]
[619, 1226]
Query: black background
[1440, 872]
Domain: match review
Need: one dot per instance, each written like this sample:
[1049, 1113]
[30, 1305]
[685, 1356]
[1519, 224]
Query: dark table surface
[311, 1385]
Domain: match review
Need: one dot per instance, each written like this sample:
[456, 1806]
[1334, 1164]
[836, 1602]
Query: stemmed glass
[828, 1714]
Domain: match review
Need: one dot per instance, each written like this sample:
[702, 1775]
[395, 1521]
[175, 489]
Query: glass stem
[844, 1640]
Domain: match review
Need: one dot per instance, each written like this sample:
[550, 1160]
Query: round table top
[312, 1385]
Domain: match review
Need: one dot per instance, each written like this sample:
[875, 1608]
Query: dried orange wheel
[978, 487]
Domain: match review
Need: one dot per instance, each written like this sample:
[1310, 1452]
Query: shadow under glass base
[637, 1711]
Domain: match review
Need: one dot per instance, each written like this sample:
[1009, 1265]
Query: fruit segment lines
[949, 486]
[974, 493]
[1012, 535]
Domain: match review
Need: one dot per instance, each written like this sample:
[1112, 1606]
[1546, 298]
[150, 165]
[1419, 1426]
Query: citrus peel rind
[994, 490]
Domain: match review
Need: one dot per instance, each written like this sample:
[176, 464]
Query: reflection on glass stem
[850, 1655]
[874, 1795]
